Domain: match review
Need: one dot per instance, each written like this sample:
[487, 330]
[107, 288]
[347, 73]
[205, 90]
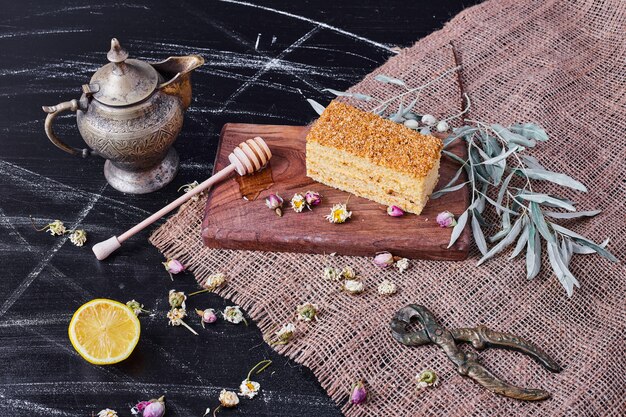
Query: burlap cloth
[559, 63]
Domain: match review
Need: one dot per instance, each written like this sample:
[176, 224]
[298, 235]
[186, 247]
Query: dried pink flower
[395, 211]
[446, 219]
[173, 266]
[275, 202]
[383, 259]
[313, 198]
[359, 393]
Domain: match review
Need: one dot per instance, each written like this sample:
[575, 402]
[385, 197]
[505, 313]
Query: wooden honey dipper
[250, 156]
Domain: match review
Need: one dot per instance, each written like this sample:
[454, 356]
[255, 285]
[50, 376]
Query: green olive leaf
[533, 252]
[460, 225]
[555, 177]
[530, 131]
[575, 215]
[389, 80]
[545, 198]
[319, 109]
[479, 237]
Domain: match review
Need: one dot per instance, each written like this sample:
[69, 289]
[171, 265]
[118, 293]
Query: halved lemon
[104, 331]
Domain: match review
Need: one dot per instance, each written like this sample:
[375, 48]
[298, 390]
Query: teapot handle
[53, 112]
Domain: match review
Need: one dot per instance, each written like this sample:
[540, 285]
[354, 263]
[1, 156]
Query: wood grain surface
[235, 223]
[263, 58]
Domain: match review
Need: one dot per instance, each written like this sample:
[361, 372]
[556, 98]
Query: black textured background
[48, 49]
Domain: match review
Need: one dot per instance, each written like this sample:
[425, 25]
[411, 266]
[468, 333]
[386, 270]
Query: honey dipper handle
[103, 249]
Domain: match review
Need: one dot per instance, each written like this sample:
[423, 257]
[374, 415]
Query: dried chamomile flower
[177, 299]
[298, 203]
[249, 388]
[307, 312]
[331, 274]
[78, 237]
[136, 306]
[402, 264]
[284, 335]
[233, 314]
[426, 379]
[353, 286]
[214, 281]
[176, 316]
[188, 187]
[387, 287]
[339, 214]
[275, 202]
[348, 273]
[228, 399]
[56, 228]
[107, 412]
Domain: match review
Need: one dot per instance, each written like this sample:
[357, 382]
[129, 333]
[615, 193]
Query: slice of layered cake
[372, 157]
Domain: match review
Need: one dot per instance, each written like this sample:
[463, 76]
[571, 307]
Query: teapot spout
[176, 72]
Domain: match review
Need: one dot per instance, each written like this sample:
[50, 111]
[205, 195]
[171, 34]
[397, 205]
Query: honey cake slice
[372, 157]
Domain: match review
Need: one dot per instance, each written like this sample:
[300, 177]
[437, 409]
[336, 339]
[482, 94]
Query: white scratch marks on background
[315, 22]
[256, 45]
[17, 293]
[274, 38]
[45, 320]
[42, 32]
[271, 64]
[32, 407]
[15, 232]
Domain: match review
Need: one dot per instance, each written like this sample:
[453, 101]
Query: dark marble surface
[47, 51]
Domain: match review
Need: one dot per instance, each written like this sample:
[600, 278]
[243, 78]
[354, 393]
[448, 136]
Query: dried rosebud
[353, 286]
[387, 287]
[443, 126]
[307, 312]
[78, 237]
[383, 259]
[228, 399]
[348, 273]
[156, 408]
[275, 202]
[331, 274]
[139, 407]
[177, 299]
[402, 264]
[429, 120]
[172, 266]
[446, 219]
[395, 211]
[427, 379]
[313, 198]
[339, 214]
[298, 203]
[359, 393]
[214, 281]
[207, 316]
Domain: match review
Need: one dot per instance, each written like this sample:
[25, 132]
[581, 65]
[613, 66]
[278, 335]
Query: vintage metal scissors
[467, 362]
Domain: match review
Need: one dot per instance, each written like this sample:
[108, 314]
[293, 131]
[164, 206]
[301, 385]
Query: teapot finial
[117, 54]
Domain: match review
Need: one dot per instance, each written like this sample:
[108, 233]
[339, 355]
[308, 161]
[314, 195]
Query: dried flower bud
[312, 198]
[395, 211]
[177, 299]
[359, 393]
[298, 203]
[353, 286]
[136, 306]
[427, 379]
[443, 126]
[156, 408]
[172, 266]
[188, 187]
[207, 316]
[339, 214]
[411, 123]
[402, 264]
[383, 259]
[78, 237]
[249, 388]
[446, 219]
[176, 316]
[275, 202]
[139, 407]
[331, 274]
[429, 120]
[348, 273]
[107, 412]
[228, 399]
[214, 281]
[56, 228]
[307, 312]
[387, 287]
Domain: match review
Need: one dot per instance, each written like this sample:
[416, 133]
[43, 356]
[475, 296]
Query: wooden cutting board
[233, 222]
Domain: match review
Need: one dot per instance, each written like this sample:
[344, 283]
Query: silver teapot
[131, 113]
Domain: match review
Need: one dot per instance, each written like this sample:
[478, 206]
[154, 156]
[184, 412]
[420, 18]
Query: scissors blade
[482, 337]
[485, 378]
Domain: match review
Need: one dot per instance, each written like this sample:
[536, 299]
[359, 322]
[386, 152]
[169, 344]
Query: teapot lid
[122, 81]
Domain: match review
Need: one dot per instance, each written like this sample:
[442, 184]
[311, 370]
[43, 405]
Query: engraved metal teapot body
[131, 113]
